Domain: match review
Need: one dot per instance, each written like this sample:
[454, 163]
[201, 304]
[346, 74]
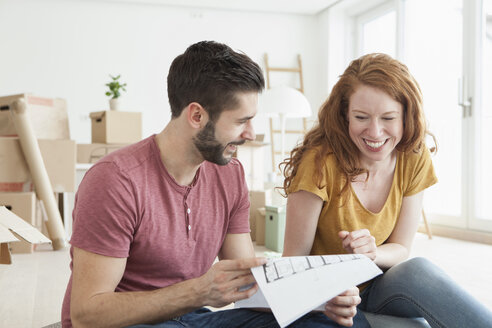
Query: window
[447, 45]
[483, 121]
[377, 31]
[433, 53]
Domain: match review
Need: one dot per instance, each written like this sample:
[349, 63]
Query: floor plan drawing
[286, 266]
[293, 286]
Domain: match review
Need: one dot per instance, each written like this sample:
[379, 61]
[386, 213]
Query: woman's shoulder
[316, 154]
[413, 157]
[415, 162]
[417, 170]
[314, 173]
[314, 161]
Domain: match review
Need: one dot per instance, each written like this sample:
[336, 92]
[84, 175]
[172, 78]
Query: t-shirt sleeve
[421, 173]
[305, 177]
[239, 219]
[104, 216]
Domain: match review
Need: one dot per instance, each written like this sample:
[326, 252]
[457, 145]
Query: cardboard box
[22, 204]
[48, 116]
[91, 153]
[58, 157]
[257, 199]
[13, 165]
[251, 155]
[260, 226]
[13, 227]
[115, 127]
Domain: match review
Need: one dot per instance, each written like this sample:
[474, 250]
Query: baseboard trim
[461, 234]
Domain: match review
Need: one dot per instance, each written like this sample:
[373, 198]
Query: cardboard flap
[6, 236]
[97, 116]
[30, 234]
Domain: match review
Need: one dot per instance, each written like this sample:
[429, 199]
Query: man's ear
[197, 116]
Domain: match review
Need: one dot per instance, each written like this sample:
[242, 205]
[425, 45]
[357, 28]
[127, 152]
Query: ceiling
[302, 7]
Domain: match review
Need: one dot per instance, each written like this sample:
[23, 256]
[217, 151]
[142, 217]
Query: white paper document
[294, 286]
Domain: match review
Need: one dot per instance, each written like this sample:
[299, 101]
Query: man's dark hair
[211, 74]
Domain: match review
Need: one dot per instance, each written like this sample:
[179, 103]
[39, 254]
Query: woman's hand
[343, 308]
[359, 242]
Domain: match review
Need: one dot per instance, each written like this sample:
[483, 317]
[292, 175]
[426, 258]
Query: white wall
[67, 49]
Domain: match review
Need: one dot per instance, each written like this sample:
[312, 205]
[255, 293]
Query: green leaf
[115, 86]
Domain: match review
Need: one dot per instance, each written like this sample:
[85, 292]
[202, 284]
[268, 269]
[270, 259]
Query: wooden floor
[32, 288]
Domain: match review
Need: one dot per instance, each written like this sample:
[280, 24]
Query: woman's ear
[197, 116]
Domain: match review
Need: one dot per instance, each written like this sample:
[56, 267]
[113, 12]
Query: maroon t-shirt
[129, 206]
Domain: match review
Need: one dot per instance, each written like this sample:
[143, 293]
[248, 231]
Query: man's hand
[222, 282]
[359, 242]
[343, 308]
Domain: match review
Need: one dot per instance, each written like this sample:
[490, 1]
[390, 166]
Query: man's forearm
[119, 309]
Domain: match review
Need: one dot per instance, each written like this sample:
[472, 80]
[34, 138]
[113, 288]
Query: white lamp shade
[284, 100]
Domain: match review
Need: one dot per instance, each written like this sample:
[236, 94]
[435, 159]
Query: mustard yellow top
[414, 172]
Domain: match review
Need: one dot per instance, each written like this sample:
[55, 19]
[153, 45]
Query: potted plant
[115, 89]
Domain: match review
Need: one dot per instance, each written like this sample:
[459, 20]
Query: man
[150, 219]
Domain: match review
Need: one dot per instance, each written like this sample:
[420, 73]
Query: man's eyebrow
[246, 118]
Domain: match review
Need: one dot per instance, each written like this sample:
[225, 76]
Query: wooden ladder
[273, 132]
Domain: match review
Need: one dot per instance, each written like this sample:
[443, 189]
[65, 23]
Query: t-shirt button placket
[188, 210]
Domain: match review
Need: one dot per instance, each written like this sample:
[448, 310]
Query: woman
[356, 185]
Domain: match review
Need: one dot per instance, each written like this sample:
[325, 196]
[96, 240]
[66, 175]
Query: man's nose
[249, 132]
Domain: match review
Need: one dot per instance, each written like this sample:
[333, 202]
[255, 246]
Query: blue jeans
[245, 318]
[418, 288]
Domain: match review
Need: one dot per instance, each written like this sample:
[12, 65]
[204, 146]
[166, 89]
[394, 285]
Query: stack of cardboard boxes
[111, 130]
[49, 120]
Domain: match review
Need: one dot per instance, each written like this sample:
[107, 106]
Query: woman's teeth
[374, 144]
